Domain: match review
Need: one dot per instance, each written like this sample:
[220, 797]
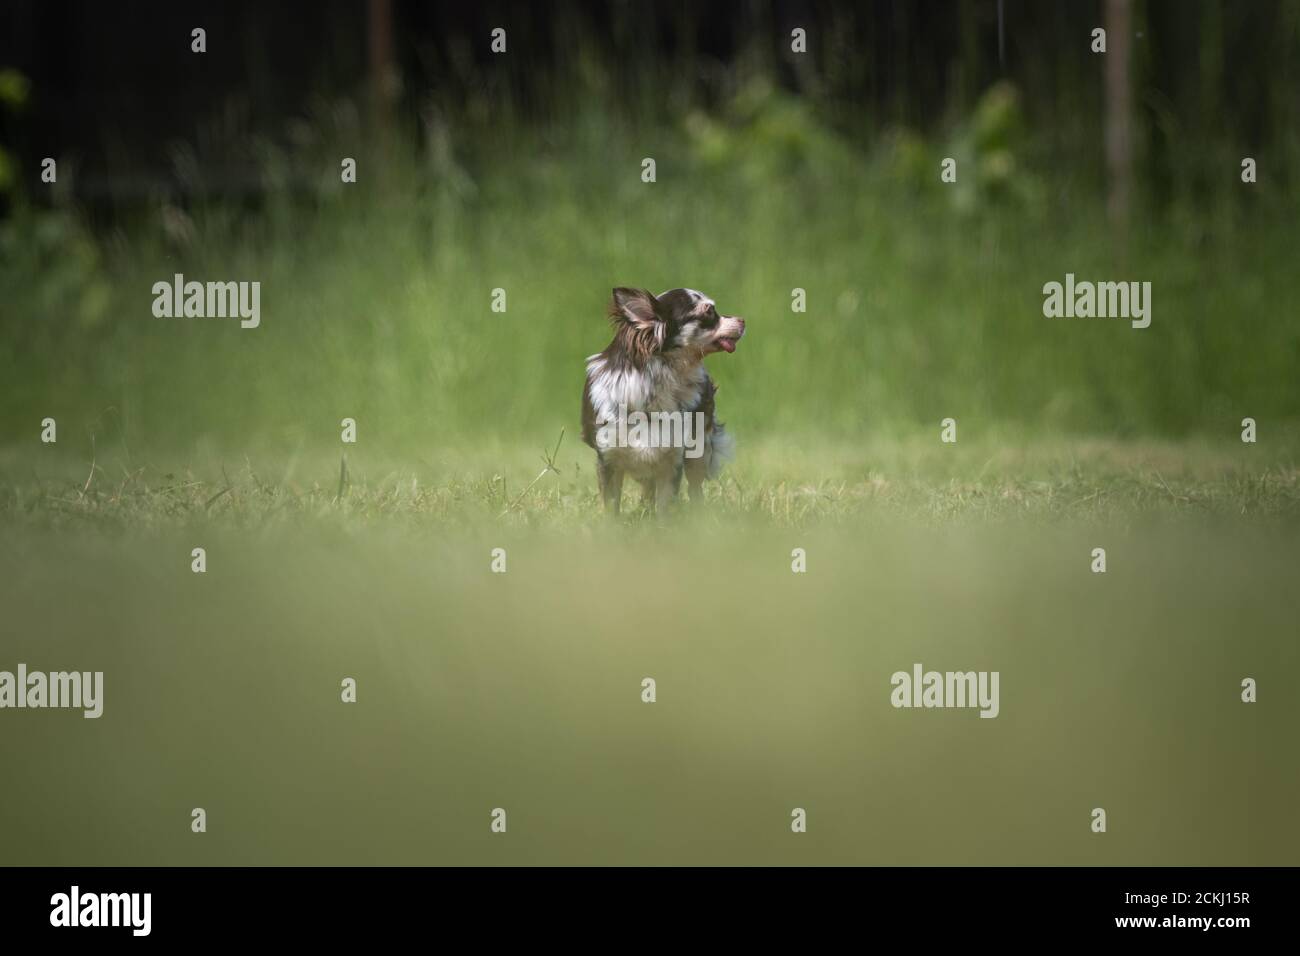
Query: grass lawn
[522, 690]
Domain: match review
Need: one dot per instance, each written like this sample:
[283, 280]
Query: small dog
[653, 373]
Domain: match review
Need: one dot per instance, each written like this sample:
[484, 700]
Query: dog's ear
[634, 306]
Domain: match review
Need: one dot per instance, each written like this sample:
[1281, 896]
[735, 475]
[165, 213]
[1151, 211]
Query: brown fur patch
[635, 340]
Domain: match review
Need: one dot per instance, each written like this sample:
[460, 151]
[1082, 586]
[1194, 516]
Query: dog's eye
[712, 317]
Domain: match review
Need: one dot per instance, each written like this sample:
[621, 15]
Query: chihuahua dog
[648, 404]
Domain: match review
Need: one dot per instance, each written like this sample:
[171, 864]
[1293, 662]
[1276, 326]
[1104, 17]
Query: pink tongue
[728, 345]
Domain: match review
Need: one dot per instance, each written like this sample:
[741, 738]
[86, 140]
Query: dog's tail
[724, 450]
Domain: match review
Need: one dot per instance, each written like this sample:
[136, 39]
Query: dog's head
[680, 321]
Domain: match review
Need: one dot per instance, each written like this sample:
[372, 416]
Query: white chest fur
[663, 385]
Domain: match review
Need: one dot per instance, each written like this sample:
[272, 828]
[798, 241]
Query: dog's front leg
[610, 480]
[667, 487]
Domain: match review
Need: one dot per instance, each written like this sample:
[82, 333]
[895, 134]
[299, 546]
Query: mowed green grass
[785, 484]
[522, 690]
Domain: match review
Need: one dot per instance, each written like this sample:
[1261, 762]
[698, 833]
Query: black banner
[238, 904]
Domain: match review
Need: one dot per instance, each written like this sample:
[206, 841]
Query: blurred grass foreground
[523, 691]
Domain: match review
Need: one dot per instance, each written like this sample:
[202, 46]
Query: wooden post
[1119, 124]
[383, 74]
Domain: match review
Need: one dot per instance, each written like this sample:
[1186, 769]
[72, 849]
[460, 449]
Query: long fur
[637, 341]
[655, 364]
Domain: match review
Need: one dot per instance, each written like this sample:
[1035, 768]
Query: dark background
[108, 87]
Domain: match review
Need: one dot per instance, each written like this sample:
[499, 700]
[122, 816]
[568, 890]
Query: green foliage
[14, 89]
[764, 136]
[57, 271]
[991, 149]
[375, 296]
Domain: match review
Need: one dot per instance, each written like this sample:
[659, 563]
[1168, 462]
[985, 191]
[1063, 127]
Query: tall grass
[924, 300]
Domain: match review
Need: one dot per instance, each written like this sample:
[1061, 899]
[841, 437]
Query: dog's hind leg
[696, 471]
[647, 493]
[611, 485]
